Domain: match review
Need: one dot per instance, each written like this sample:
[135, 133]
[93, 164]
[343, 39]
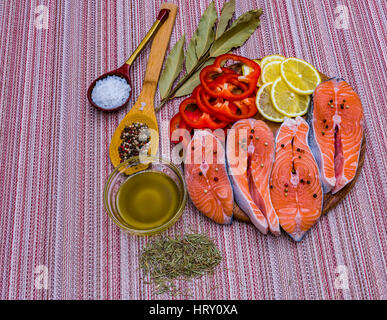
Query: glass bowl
[133, 166]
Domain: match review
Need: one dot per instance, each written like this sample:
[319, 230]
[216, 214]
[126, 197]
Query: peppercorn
[133, 137]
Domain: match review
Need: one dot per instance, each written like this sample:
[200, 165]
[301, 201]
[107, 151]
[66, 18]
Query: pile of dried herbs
[181, 258]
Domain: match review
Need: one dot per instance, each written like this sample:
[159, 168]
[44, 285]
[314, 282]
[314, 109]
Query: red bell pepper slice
[196, 118]
[228, 86]
[228, 110]
[254, 67]
[213, 73]
[176, 123]
[203, 101]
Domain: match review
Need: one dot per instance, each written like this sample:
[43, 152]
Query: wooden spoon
[143, 109]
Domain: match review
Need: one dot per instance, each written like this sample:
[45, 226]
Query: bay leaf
[225, 16]
[192, 82]
[205, 32]
[237, 34]
[172, 68]
[190, 57]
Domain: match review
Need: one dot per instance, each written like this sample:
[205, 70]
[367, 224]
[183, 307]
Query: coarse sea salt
[110, 92]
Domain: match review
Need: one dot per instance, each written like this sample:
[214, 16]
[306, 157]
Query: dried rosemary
[181, 258]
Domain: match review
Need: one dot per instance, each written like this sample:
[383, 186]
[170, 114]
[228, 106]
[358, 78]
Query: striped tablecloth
[54, 155]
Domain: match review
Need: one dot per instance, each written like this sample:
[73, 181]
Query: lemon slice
[266, 60]
[300, 76]
[271, 58]
[265, 106]
[271, 71]
[246, 70]
[286, 101]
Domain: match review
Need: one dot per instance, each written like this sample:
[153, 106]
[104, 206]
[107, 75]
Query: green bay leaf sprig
[210, 40]
[173, 67]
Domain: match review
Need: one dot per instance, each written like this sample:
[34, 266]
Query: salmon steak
[295, 186]
[206, 177]
[250, 157]
[336, 119]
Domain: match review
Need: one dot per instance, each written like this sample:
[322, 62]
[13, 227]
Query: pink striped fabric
[54, 156]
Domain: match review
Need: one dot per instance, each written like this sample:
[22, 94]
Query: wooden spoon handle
[157, 53]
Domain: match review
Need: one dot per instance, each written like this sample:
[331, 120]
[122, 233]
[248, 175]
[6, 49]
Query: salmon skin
[250, 156]
[336, 120]
[295, 186]
[206, 177]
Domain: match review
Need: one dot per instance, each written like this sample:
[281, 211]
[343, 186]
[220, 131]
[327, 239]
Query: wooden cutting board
[330, 200]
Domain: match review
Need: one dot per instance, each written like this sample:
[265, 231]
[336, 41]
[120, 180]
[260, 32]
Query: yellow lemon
[265, 106]
[286, 101]
[300, 76]
[271, 71]
[270, 58]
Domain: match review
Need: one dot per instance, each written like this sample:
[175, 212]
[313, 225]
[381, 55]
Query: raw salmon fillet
[206, 176]
[295, 186]
[336, 119]
[250, 156]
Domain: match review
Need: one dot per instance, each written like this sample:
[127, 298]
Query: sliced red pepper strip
[196, 118]
[213, 73]
[247, 104]
[254, 67]
[229, 110]
[177, 122]
[227, 86]
[201, 99]
[228, 82]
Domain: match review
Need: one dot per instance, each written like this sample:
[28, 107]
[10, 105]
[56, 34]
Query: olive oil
[148, 200]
